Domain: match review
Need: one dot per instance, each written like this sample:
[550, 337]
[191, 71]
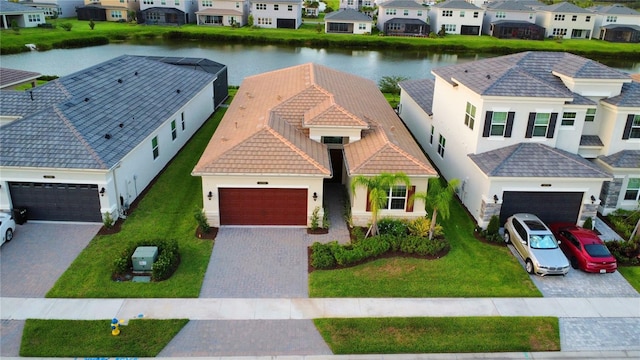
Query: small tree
[66, 26]
[439, 197]
[588, 224]
[15, 27]
[442, 31]
[250, 20]
[202, 221]
[92, 24]
[378, 188]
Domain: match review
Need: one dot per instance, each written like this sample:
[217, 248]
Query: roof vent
[86, 99]
[121, 125]
[107, 136]
[135, 73]
[488, 76]
[119, 81]
[465, 70]
[178, 91]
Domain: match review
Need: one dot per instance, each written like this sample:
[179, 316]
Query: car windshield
[542, 242]
[597, 250]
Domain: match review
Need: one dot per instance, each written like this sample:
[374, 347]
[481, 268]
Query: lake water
[245, 60]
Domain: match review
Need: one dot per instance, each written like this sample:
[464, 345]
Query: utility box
[144, 257]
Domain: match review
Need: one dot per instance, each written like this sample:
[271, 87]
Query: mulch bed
[318, 231]
[211, 235]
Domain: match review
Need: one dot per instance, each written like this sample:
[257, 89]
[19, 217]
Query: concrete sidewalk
[305, 308]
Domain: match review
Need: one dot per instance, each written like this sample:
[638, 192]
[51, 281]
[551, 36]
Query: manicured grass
[69, 338]
[166, 211]
[632, 274]
[440, 335]
[306, 35]
[470, 269]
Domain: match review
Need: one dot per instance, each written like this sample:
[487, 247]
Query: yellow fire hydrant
[115, 327]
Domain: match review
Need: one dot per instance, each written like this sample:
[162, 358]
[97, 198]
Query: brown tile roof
[636, 77]
[265, 130]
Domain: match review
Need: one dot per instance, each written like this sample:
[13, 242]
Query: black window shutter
[509, 127]
[627, 127]
[552, 125]
[532, 120]
[487, 123]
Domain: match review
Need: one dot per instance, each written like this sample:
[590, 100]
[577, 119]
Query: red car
[584, 249]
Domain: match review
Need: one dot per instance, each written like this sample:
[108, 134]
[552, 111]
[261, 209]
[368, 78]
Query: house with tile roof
[457, 17]
[277, 14]
[161, 12]
[24, 16]
[89, 143]
[13, 77]
[289, 133]
[511, 20]
[553, 134]
[347, 21]
[565, 20]
[361, 5]
[108, 10]
[403, 17]
[223, 12]
[617, 23]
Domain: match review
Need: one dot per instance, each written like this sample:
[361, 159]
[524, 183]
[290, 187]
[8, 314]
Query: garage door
[286, 23]
[57, 202]
[239, 206]
[548, 206]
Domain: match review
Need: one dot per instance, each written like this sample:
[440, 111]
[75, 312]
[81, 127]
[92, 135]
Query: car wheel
[8, 235]
[574, 263]
[529, 266]
[507, 238]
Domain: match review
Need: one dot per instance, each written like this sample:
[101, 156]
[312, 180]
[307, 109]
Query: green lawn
[470, 269]
[166, 211]
[68, 338]
[632, 274]
[440, 335]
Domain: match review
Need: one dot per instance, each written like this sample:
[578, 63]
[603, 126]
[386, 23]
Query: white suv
[7, 227]
[535, 243]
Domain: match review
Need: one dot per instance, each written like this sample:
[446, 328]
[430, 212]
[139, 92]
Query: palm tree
[378, 187]
[439, 198]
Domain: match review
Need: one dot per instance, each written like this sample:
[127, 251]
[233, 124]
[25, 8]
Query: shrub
[357, 233]
[321, 256]
[588, 224]
[81, 42]
[202, 221]
[15, 27]
[625, 252]
[166, 264]
[92, 24]
[494, 225]
[325, 219]
[107, 220]
[315, 218]
[420, 227]
[396, 227]
[66, 26]
[121, 265]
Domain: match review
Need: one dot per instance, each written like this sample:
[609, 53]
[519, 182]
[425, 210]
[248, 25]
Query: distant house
[357, 4]
[617, 23]
[511, 20]
[165, 12]
[89, 143]
[222, 12]
[108, 10]
[403, 17]
[24, 16]
[347, 21]
[456, 17]
[277, 14]
[53, 8]
[565, 20]
[13, 77]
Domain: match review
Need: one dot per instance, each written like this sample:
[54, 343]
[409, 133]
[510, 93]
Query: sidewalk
[296, 309]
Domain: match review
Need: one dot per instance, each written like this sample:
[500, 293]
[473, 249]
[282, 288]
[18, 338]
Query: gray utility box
[144, 257]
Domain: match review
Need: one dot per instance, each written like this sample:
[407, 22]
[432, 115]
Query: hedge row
[166, 264]
[332, 254]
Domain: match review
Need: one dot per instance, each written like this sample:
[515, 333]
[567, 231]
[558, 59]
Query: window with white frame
[289, 7]
[207, 3]
[559, 32]
[396, 197]
[558, 17]
[612, 18]
[177, 2]
[147, 2]
[441, 144]
[182, 121]
[419, 13]
[153, 16]
[450, 28]
[174, 131]
[634, 129]
[475, 14]
[390, 11]
[498, 123]
[470, 115]
[276, 7]
[264, 21]
[163, 2]
[431, 135]
[350, 2]
[393, 27]
[574, 18]
[406, 12]
[367, 3]
[362, 26]
[541, 124]
[501, 15]
[237, 5]
[34, 17]
[447, 13]
[261, 6]
[591, 115]
[154, 147]
[116, 14]
[633, 190]
[461, 13]
[587, 19]
[568, 119]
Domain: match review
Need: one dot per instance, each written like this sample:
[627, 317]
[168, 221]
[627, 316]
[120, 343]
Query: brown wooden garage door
[548, 206]
[239, 206]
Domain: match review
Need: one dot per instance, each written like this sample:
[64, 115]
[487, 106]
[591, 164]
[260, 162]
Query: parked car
[536, 244]
[7, 227]
[584, 248]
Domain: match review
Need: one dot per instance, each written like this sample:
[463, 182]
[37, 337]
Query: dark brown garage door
[240, 206]
[548, 206]
[57, 202]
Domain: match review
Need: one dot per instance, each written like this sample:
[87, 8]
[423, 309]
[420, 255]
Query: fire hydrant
[115, 327]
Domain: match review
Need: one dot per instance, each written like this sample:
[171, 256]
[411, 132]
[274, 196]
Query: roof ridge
[574, 160]
[517, 147]
[409, 156]
[293, 147]
[79, 136]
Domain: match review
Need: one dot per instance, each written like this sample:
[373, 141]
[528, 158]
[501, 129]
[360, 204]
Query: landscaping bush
[422, 246]
[66, 26]
[625, 252]
[202, 221]
[420, 227]
[624, 222]
[321, 256]
[166, 264]
[494, 225]
[81, 42]
[395, 227]
[588, 224]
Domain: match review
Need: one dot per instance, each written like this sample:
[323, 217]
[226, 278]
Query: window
[163, 2]
[116, 14]
[147, 2]
[450, 28]
[431, 135]
[568, 119]
[441, 143]
[470, 115]
[276, 7]
[261, 6]
[632, 127]
[177, 3]
[501, 15]
[612, 19]
[559, 32]
[591, 115]
[574, 18]
[541, 124]
[419, 12]
[154, 146]
[588, 18]
[559, 17]
[393, 27]
[461, 13]
[289, 7]
[174, 132]
[362, 26]
[498, 124]
[390, 11]
[633, 190]
[207, 3]
[264, 21]
[396, 197]
[331, 140]
[153, 16]
[182, 120]
[447, 13]
[475, 14]
[237, 5]
[34, 17]
[406, 13]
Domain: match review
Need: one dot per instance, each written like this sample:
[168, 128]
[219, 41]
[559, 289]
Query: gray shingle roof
[11, 7]
[590, 140]
[406, 21]
[508, 6]
[347, 15]
[401, 4]
[628, 159]
[528, 74]
[10, 77]
[535, 160]
[564, 7]
[615, 9]
[67, 123]
[621, 26]
[421, 91]
[456, 4]
[629, 97]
